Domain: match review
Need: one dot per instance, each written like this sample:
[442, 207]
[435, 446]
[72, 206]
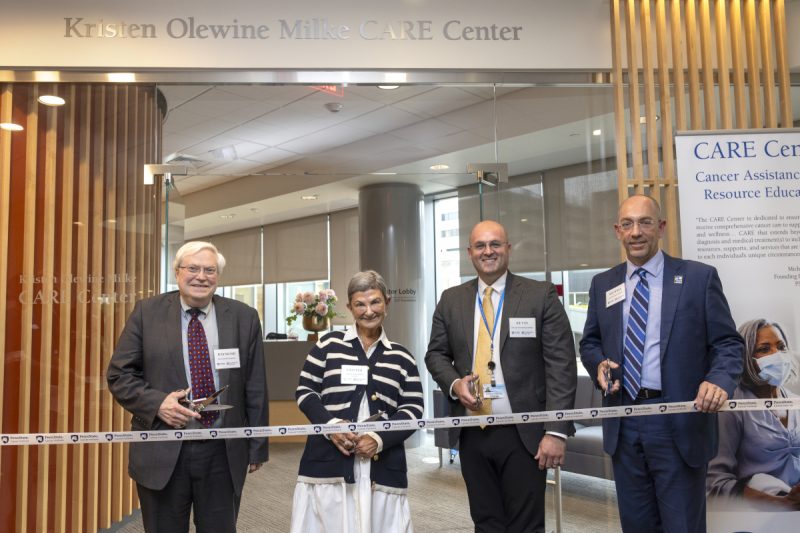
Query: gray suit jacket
[148, 364]
[540, 372]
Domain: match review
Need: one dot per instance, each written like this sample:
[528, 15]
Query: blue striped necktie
[633, 351]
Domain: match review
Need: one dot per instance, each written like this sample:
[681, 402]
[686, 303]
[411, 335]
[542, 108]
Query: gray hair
[365, 281]
[749, 332]
[193, 247]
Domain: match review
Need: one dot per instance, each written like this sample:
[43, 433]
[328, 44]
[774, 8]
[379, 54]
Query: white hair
[193, 247]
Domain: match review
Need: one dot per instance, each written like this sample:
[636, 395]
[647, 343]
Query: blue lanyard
[496, 316]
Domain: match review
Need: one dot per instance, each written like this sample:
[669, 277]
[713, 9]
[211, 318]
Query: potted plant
[315, 309]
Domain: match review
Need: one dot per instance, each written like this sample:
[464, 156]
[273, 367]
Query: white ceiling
[256, 149]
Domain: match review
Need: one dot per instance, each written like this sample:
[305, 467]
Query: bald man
[473, 352]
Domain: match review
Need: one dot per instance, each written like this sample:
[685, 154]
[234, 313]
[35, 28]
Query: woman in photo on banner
[351, 482]
[758, 462]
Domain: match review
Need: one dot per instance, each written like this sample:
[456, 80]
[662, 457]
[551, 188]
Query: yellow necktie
[484, 352]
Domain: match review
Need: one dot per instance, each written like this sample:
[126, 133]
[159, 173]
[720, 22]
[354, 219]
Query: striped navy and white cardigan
[393, 387]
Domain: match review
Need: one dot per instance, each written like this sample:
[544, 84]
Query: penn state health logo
[213, 434]
[662, 408]
[248, 432]
[490, 420]
[317, 429]
[456, 421]
[5, 439]
[387, 425]
[73, 438]
[421, 423]
[732, 405]
[525, 418]
[628, 410]
[109, 437]
[352, 427]
[282, 431]
[179, 434]
[143, 436]
[768, 404]
[39, 438]
[559, 415]
[593, 412]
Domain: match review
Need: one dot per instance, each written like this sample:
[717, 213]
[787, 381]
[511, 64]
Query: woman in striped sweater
[348, 482]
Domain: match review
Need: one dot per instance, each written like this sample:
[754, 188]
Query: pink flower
[323, 295]
[308, 298]
[299, 308]
[299, 297]
[322, 309]
[331, 294]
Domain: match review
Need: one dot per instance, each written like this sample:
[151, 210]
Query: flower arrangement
[308, 304]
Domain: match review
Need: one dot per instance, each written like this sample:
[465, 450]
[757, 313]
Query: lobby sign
[313, 34]
[740, 212]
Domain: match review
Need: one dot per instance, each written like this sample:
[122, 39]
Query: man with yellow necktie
[502, 344]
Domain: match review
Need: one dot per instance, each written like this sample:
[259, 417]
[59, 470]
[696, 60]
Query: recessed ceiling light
[228, 216]
[440, 166]
[309, 197]
[51, 100]
[388, 87]
[10, 126]
[597, 133]
[584, 264]
[523, 220]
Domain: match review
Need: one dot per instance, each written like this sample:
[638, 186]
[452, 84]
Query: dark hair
[749, 332]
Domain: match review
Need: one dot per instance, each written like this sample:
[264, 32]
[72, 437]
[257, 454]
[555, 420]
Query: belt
[648, 394]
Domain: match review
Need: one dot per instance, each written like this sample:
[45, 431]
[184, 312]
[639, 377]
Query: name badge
[354, 374]
[227, 358]
[617, 294]
[522, 328]
[497, 392]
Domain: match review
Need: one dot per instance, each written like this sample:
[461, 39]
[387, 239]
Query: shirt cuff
[450, 392]
[377, 439]
[556, 434]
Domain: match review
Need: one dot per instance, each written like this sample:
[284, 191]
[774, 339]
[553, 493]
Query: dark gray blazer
[540, 372]
[148, 364]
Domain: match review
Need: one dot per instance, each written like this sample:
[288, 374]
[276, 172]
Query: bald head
[489, 250]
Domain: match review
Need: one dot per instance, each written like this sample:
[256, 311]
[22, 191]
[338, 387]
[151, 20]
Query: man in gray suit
[508, 338]
[191, 342]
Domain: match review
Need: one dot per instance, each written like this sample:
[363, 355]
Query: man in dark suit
[509, 338]
[659, 329]
[174, 342]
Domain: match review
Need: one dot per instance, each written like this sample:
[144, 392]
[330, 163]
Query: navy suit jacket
[698, 341]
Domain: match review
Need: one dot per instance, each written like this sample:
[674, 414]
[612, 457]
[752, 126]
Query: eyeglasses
[645, 223]
[194, 269]
[494, 245]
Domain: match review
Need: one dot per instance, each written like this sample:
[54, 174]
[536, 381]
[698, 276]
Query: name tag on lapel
[226, 358]
[522, 328]
[617, 294]
[354, 374]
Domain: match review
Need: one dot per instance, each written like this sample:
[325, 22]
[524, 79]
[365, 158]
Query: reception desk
[283, 361]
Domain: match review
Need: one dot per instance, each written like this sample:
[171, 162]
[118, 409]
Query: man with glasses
[658, 329]
[177, 350]
[502, 344]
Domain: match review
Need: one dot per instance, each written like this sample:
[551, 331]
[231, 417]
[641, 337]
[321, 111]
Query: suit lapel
[510, 304]
[671, 291]
[225, 331]
[616, 309]
[173, 332]
[468, 317]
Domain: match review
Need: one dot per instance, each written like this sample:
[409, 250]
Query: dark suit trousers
[202, 480]
[504, 484]
[656, 490]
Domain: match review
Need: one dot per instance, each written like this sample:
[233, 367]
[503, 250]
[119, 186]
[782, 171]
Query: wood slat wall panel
[72, 183]
[706, 43]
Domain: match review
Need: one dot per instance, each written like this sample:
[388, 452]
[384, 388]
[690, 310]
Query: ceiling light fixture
[10, 126]
[121, 77]
[597, 133]
[439, 166]
[228, 216]
[383, 173]
[309, 197]
[51, 100]
[388, 87]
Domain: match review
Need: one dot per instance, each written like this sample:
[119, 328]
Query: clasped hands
[353, 443]
[710, 398]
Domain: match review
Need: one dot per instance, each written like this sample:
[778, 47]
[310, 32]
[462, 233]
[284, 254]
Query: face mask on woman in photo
[780, 369]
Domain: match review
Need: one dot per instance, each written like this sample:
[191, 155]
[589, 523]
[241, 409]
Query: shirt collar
[499, 285]
[204, 310]
[352, 333]
[654, 267]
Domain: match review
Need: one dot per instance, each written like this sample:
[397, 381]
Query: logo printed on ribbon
[109, 437]
[456, 421]
[352, 427]
[248, 432]
[73, 438]
[282, 431]
[628, 410]
[525, 418]
[732, 405]
[39, 438]
[593, 412]
[662, 408]
[387, 425]
[421, 423]
[5, 439]
[178, 434]
[213, 434]
[559, 415]
[317, 429]
[490, 420]
[768, 404]
[144, 436]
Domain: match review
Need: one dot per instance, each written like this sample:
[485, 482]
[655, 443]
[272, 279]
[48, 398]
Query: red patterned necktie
[200, 365]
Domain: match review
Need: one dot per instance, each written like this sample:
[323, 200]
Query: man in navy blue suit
[659, 329]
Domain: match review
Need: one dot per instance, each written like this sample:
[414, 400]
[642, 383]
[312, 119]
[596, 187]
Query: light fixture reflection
[121, 77]
[597, 133]
[10, 126]
[440, 166]
[51, 100]
[388, 87]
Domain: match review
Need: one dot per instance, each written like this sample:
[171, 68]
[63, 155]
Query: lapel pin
[677, 280]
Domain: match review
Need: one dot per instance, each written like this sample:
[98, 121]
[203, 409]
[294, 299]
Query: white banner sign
[312, 34]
